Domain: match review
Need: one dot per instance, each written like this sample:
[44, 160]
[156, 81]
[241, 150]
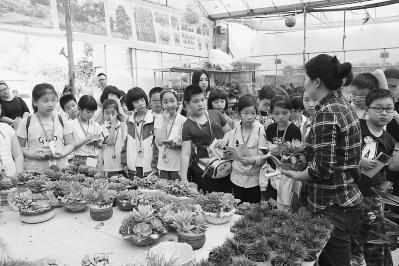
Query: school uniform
[6, 160]
[112, 153]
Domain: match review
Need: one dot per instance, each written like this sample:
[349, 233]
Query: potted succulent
[101, 199]
[127, 183]
[142, 227]
[218, 207]
[221, 256]
[191, 228]
[75, 198]
[169, 210]
[34, 208]
[291, 154]
[124, 199]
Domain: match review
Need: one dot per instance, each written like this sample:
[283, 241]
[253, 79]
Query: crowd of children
[134, 135]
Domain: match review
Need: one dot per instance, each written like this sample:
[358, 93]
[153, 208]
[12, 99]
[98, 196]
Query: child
[361, 85]
[109, 92]
[309, 105]
[251, 134]
[199, 130]
[87, 133]
[69, 106]
[296, 116]
[114, 133]
[11, 157]
[168, 132]
[138, 148]
[155, 101]
[375, 140]
[46, 139]
[218, 101]
[124, 106]
[279, 132]
[265, 96]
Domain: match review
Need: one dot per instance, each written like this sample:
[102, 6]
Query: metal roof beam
[281, 9]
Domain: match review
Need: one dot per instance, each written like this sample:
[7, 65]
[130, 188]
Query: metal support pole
[71, 65]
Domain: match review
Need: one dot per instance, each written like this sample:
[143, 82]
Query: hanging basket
[102, 213]
[37, 216]
[196, 241]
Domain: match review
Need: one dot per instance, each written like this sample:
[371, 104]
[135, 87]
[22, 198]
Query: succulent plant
[220, 254]
[258, 251]
[99, 194]
[217, 202]
[6, 183]
[245, 236]
[243, 262]
[189, 222]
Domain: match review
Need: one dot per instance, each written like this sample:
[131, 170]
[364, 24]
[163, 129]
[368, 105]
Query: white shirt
[7, 161]
[81, 130]
[172, 155]
[112, 154]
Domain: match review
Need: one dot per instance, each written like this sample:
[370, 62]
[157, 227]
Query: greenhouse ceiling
[230, 9]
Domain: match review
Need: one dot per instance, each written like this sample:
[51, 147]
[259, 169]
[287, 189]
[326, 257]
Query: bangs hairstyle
[66, 99]
[87, 102]
[190, 91]
[39, 90]
[171, 91]
[281, 102]
[247, 101]
[267, 92]
[155, 90]
[135, 94]
[110, 90]
[217, 94]
[110, 103]
[195, 80]
[365, 81]
[329, 70]
[296, 102]
[376, 95]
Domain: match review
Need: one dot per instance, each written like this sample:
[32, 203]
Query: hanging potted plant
[220, 256]
[218, 207]
[75, 198]
[124, 199]
[191, 228]
[142, 227]
[101, 199]
[34, 208]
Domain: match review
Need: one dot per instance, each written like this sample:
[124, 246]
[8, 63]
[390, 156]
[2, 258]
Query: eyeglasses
[389, 110]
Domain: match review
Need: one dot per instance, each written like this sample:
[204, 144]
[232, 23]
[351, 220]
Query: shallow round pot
[37, 217]
[171, 227]
[196, 241]
[124, 205]
[298, 167]
[219, 218]
[76, 206]
[181, 253]
[101, 213]
[144, 242]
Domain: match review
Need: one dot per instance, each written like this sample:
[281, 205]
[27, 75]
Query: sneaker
[358, 260]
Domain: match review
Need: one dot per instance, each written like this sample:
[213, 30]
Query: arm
[7, 120]
[160, 135]
[110, 139]
[28, 153]
[185, 159]
[69, 146]
[17, 154]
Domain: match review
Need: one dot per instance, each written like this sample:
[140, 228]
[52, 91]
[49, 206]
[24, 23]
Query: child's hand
[367, 164]
[247, 161]
[113, 120]
[220, 143]
[43, 153]
[90, 139]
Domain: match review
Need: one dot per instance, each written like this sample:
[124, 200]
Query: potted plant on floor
[220, 255]
[218, 207]
[191, 228]
[6, 185]
[101, 199]
[142, 227]
[75, 198]
[34, 208]
[124, 199]
[168, 212]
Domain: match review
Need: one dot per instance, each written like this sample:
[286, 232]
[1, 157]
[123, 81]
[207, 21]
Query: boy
[375, 140]
[155, 100]
[70, 106]
[361, 85]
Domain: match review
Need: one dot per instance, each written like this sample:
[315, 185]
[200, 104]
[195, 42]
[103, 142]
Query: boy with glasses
[375, 141]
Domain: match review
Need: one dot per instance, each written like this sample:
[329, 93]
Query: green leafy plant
[6, 183]
[217, 202]
[28, 202]
[243, 262]
[189, 222]
[220, 254]
[99, 194]
[258, 251]
[77, 193]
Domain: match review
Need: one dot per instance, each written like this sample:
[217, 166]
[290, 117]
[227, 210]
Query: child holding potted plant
[243, 147]
[168, 131]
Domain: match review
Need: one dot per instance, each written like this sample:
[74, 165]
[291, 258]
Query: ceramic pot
[37, 216]
[196, 241]
[102, 213]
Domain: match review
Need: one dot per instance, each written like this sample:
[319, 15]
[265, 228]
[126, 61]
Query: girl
[87, 133]
[296, 115]
[201, 78]
[109, 92]
[218, 101]
[250, 134]
[44, 137]
[114, 133]
[199, 130]
[11, 157]
[309, 105]
[13, 108]
[168, 132]
[138, 148]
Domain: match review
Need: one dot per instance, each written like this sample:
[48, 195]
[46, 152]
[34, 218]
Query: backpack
[28, 124]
